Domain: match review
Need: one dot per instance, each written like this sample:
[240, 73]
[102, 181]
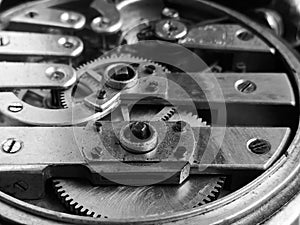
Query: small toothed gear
[90, 77]
[172, 114]
[81, 198]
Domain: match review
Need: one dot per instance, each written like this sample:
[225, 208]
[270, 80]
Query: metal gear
[173, 114]
[81, 198]
[89, 81]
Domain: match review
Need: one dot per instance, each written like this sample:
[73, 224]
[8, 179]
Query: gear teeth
[214, 193]
[63, 102]
[65, 98]
[70, 203]
[169, 115]
[74, 207]
[172, 114]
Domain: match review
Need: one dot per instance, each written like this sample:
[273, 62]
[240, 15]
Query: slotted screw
[259, 146]
[15, 107]
[170, 13]
[140, 130]
[4, 41]
[57, 75]
[246, 86]
[12, 146]
[71, 18]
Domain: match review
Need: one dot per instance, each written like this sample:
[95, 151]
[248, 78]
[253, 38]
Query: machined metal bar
[34, 44]
[36, 76]
[37, 154]
[50, 17]
[224, 37]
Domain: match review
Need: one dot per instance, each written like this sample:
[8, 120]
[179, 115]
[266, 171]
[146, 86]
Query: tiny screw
[57, 75]
[4, 41]
[140, 130]
[179, 126]
[170, 13]
[101, 95]
[259, 146]
[12, 146]
[15, 107]
[245, 86]
[153, 86]
[101, 22]
[21, 186]
[70, 18]
[68, 42]
[31, 14]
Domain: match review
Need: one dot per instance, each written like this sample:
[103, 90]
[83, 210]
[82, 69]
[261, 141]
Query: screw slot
[244, 35]
[4, 40]
[55, 74]
[140, 130]
[245, 86]
[32, 14]
[12, 145]
[67, 42]
[15, 107]
[170, 13]
[101, 22]
[69, 17]
[259, 146]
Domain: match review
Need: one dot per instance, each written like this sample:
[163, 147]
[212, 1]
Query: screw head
[171, 30]
[170, 13]
[259, 146]
[245, 86]
[55, 73]
[4, 41]
[32, 14]
[101, 95]
[179, 126]
[15, 107]
[70, 17]
[101, 22]
[12, 145]
[68, 42]
[140, 130]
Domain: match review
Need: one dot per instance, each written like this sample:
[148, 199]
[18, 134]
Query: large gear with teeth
[81, 198]
[116, 202]
[90, 75]
[60, 126]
